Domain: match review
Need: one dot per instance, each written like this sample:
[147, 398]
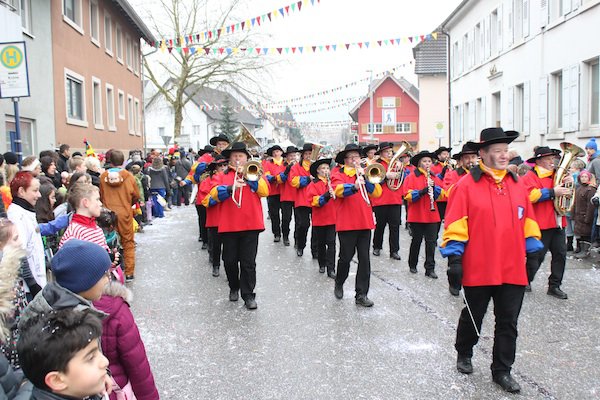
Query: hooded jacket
[122, 344]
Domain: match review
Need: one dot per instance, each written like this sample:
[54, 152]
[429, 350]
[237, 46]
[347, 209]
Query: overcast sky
[334, 22]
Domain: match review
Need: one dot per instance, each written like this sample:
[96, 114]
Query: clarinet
[430, 191]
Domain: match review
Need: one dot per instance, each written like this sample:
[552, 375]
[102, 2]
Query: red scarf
[88, 222]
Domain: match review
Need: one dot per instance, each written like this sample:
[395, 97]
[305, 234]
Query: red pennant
[232, 28]
[360, 45]
[186, 50]
[210, 34]
[327, 47]
[258, 20]
[269, 15]
[422, 38]
[221, 50]
[293, 50]
[258, 50]
[287, 10]
[279, 50]
[299, 4]
[347, 46]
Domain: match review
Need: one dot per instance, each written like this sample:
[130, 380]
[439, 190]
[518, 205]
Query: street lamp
[371, 127]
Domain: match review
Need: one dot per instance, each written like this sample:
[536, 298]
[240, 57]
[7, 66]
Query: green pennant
[178, 49]
[293, 6]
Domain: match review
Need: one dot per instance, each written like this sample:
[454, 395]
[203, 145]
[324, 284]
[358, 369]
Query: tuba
[316, 150]
[564, 204]
[245, 137]
[397, 166]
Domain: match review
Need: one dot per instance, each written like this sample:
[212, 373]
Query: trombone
[250, 171]
[374, 173]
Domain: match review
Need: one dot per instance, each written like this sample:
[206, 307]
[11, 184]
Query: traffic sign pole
[18, 148]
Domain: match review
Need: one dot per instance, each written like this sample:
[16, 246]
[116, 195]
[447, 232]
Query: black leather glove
[230, 189]
[288, 169]
[35, 289]
[327, 195]
[455, 271]
[596, 201]
[424, 191]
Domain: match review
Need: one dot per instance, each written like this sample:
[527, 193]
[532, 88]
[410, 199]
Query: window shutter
[508, 22]
[543, 105]
[379, 102]
[481, 42]
[398, 101]
[364, 128]
[543, 13]
[461, 123]
[525, 14]
[413, 127]
[500, 29]
[483, 117]
[566, 108]
[526, 108]
[566, 7]
[574, 96]
[510, 110]
[488, 44]
[472, 120]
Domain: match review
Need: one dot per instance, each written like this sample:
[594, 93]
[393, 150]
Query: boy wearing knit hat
[81, 272]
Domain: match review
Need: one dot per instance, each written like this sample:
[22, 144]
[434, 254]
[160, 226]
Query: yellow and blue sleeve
[344, 190]
[456, 236]
[537, 195]
[260, 187]
[195, 173]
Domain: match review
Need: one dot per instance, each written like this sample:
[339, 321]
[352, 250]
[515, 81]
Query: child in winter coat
[583, 212]
[123, 346]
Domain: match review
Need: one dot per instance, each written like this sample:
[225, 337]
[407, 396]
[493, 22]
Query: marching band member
[239, 226]
[439, 168]
[490, 225]
[273, 168]
[354, 221]
[369, 152]
[287, 193]
[214, 170]
[422, 189]
[388, 207]
[220, 142]
[321, 195]
[540, 185]
[300, 178]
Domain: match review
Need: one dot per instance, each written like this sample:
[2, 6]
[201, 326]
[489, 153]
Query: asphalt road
[302, 343]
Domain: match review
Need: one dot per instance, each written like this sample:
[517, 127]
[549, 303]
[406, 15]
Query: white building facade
[525, 65]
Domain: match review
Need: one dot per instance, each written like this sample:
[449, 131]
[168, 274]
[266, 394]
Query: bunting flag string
[194, 48]
[336, 104]
[228, 29]
[294, 104]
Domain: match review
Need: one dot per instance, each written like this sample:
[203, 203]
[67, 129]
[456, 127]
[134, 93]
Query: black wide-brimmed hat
[291, 149]
[439, 150]
[236, 146]
[221, 137]
[417, 157]
[272, 148]
[383, 146]
[543, 151]
[368, 147]
[306, 147]
[207, 149]
[466, 149]
[490, 136]
[339, 158]
[315, 165]
[219, 160]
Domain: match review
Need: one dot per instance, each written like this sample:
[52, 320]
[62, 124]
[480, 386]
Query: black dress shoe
[507, 383]
[395, 256]
[556, 292]
[199, 238]
[204, 246]
[463, 365]
[413, 270]
[431, 274]
[376, 252]
[322, 270]
[364, 301]
[331, 274]
[454, 291]
[338, 291]
[277, 239]
[286, 242]
[215, 271]
[299, 252]
[234, 295]
[250, 304]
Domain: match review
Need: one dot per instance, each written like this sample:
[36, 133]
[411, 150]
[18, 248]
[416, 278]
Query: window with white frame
[466, 121]
[494, 33]
[72, 14]
[108, 42]
[135, 58]
[594, 92]
[75, 98]
[136, 116]
[119, 43]
[479, 116]
[121, 104]
[477, 45]
[95, 22]
[25, 11]
[518, 20]
[497, 109]
[519, 108]
[557, 99]
[27, 130]
[128, 52]
[403, 127]
[455, 58]
[465, 53]
[110, 107]
[97, 103]
[378, 128]
[196, 130]
[130, 120]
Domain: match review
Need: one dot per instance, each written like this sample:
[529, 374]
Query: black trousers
[430, 233]
[201, 211]
[390, 215]
[325, 238]
[214, 245]
[442, 209]
[239, 257]
[555, 241]
[183, 192]
[302, 222]
[351, 242]
[274, 206]
[287, 208]
[507, 306]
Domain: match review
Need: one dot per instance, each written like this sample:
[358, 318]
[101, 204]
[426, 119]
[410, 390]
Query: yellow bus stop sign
[11, 57]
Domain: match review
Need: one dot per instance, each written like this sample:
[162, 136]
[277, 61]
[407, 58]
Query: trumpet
[250, 171]
[374, 173]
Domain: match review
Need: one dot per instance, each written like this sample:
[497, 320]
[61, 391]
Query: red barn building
[395, 112]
